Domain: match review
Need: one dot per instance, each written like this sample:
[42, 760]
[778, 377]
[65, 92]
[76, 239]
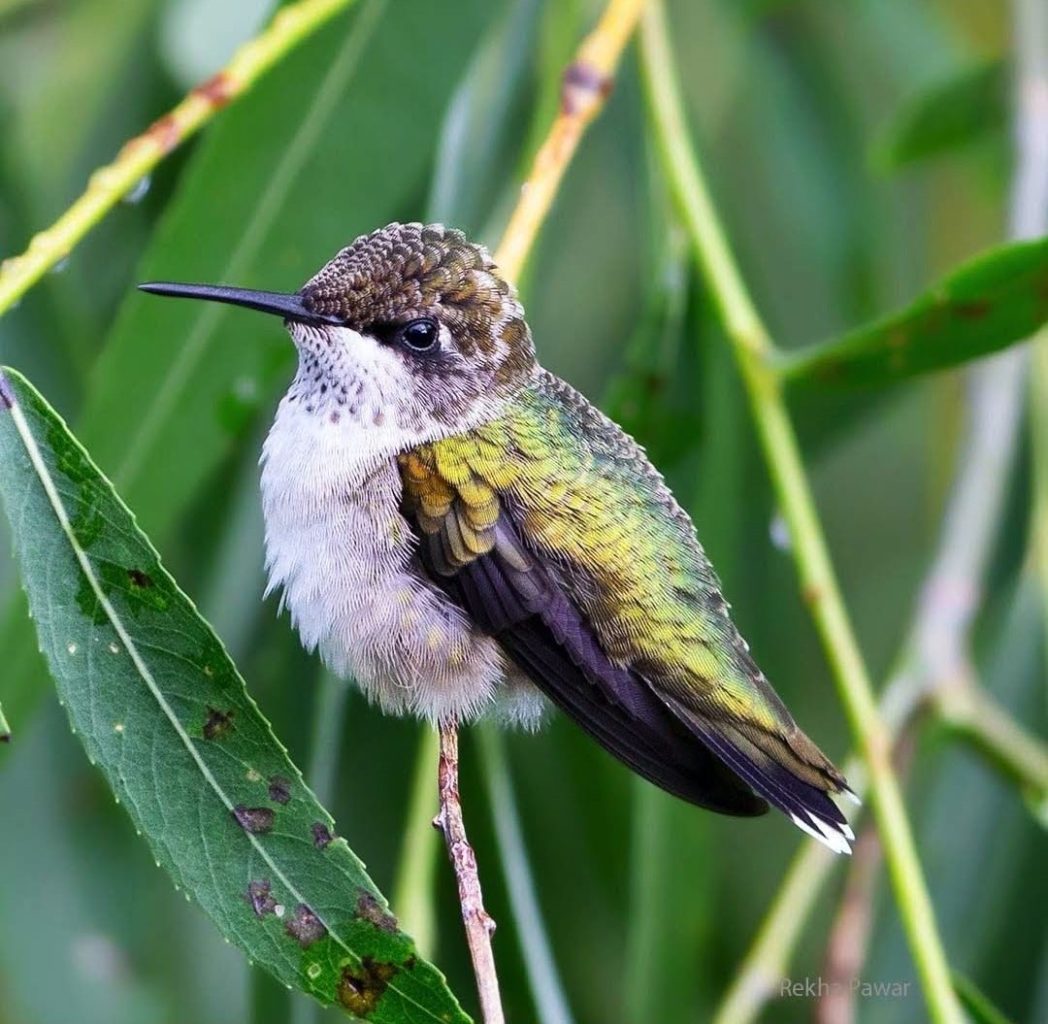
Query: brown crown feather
[407, 270]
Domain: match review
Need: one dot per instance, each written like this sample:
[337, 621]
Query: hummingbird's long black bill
[290, 307]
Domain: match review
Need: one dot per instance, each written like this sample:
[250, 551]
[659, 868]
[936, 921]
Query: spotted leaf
[162, 711]
[993, 301]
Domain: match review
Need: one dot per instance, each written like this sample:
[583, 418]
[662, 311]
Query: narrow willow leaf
[998, 298]
[951, 114]
[161, 709]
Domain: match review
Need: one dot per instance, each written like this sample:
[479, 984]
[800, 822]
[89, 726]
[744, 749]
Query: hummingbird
[461, 532]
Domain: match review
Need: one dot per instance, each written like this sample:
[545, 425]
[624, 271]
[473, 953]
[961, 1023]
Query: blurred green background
[409, 110]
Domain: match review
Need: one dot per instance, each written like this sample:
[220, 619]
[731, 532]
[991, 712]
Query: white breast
[343, 554]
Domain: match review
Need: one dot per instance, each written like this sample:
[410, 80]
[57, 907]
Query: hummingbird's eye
[418, 335]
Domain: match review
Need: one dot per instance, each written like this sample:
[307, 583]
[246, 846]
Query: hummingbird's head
[410, 327]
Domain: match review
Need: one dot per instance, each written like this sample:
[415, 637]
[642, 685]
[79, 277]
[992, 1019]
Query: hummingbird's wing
[481, 562]
[553, 531]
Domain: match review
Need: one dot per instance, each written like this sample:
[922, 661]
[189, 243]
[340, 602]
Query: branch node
[583, 85]
[218, 90]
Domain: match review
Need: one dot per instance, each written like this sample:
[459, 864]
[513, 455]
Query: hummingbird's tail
[792, 775]
[645, 735]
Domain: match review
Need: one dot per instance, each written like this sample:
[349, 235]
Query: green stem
[108, 185]
[413, 886]
[752, 344]
[1021, 755]
[647, 887]
[969, 531]
[547, 991]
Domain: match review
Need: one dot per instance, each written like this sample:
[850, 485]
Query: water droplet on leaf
[139, 190]
[779, 532]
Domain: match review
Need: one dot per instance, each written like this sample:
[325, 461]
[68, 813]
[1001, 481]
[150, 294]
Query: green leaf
[163, 712]
[951, 114]
[993, 301]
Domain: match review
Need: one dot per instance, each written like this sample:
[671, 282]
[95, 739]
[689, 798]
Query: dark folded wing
[510, 593]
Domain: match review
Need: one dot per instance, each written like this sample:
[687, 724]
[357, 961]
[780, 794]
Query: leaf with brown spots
[260, 896]
[361, 988]
[995, 300]
[217, 724]
[305, 927]
[179, 740]
[372, 910]
[279, 789]
[254, 819]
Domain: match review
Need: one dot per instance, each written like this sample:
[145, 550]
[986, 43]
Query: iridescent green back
[584, 495]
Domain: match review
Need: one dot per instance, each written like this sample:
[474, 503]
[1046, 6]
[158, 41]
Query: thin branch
[761, 971]
[848, 944]
[1029, 211]
[751, 343]
[850, 934]
[765, 965]
[760, 975]
[953, 593]
[479, 925]
[586, 85]
[137, 159]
